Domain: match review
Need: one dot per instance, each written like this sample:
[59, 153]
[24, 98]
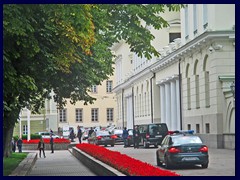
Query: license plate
[190, 158]
[106, 138]
[158, 136]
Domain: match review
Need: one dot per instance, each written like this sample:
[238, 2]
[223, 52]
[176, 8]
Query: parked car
[182, 148]
[152, 134]
[118, 133]
[130, 137]
[101, 138]
[85, 134]
[47, 135]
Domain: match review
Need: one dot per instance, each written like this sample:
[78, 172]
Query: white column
[162, 105]
[28, 123]
[178, 104]
[20, 124]
[168, 105]
[173, 106]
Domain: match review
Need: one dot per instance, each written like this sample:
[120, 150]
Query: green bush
[24, 136]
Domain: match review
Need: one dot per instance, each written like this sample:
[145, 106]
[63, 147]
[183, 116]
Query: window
[109, 114]
[188, 94]
[173, 36]
[195, 18]
[94, 115]
[189, 126]
[207, 90]
[197, 91]
[109, 86]
[197, 128]
[186, 23]
[79, 115]
[94, 88]
[205, 16]
[25, 129]
[207, 128]
[63, 115]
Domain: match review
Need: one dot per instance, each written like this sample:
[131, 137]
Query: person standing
[136, 136]
[41, 147]
[51, 143]
[72, 136]
[19, 144]
[90, 132]
[13, 145]
[51, 132]
[125, 136]
[79, 135]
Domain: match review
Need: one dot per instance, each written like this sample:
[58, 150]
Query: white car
[47, 135]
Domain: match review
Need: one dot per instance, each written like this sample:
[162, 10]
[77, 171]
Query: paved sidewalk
[60, 163]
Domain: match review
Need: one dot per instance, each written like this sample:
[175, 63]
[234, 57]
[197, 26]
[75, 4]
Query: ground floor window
[109, 114]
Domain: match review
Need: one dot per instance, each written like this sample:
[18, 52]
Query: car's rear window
[119, 131]
[178, 140]
[157, 129]
[102, 133]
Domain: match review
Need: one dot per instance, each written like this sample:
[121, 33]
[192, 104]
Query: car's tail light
[99, 137]
[113, 136]
[147, 136]
[203, 149]
[173, 150]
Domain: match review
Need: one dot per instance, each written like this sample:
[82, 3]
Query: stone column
[163, 104]
[173, 106]
[168, 105]
[178, 104]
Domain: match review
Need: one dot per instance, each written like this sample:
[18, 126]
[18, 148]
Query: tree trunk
[8, 126]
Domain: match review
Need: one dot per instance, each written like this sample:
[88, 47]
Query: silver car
[46, 135]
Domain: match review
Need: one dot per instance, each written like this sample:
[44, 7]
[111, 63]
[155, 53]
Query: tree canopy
[66, 48]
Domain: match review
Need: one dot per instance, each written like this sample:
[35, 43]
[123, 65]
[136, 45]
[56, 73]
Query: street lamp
[233, 89]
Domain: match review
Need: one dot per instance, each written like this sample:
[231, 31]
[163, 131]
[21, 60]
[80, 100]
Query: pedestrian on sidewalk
[125, 136]
[13, 145]
[51, 143]
[136, 136]
[19, 144]
[41, 147]
[79, 134]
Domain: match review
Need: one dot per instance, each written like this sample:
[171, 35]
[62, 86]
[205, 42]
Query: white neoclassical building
[189, 86]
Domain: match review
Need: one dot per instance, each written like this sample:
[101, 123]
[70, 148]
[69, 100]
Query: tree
[66, 48]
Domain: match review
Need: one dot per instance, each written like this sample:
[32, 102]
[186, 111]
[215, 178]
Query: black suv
[152, 134]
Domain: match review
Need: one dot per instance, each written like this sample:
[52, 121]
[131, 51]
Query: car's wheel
[167, 163]
[205, 165]
[112, 145]
[105, 145]
[145, 144]
[159, 163]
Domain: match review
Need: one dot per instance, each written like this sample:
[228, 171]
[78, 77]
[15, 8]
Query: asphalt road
[221, 161]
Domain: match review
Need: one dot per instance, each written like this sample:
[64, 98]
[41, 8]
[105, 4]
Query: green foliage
[24, 136]
[10, 163]
[66, 48]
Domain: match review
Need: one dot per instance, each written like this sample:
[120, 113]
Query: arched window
[196, 74]
[188, 87]
[206, 81]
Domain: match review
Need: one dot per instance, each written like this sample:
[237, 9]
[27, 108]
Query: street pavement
[59, 163]
[221, 161]
[63, 163]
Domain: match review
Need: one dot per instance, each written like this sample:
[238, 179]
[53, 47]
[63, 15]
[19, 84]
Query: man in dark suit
[51, 143]
[136, 137]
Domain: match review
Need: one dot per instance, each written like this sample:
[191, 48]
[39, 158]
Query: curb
[25, 166]
[98, 167]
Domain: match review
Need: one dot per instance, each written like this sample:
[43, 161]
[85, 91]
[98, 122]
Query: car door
[163, 148]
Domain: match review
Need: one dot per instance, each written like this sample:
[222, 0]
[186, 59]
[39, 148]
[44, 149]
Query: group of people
[136, 137]
[17, 143]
